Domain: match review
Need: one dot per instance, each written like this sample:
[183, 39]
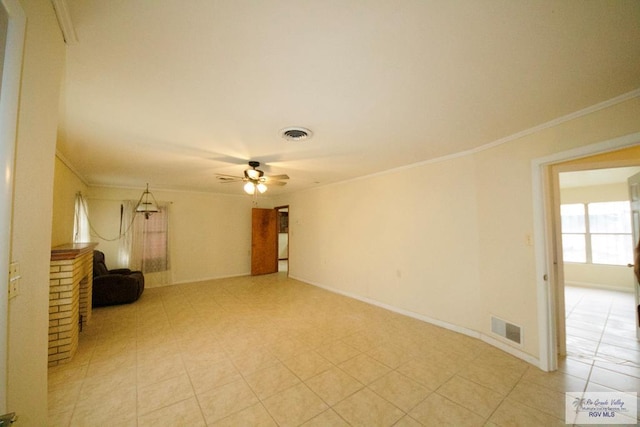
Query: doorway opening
[283, 238]
[599, 289]
[619, 152]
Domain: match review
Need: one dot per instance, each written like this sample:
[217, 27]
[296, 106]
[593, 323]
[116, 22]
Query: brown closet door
[264, 241]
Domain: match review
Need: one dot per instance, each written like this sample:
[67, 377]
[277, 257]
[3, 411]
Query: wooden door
[634, 195]
[264, 241]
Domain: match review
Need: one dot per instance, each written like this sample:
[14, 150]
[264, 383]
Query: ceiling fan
[255, 180]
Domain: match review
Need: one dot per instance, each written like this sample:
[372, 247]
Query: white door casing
[634, 197]
[13, 29]
[544, 241]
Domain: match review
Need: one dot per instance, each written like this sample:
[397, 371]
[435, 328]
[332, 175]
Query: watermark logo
[601, 408]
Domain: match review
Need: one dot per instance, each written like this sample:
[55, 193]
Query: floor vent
[506, 330]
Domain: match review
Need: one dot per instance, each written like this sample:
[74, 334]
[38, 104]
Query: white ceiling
[171, 92]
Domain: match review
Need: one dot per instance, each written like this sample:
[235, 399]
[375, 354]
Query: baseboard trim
[598, 286]
[182, 282]
[446, 325]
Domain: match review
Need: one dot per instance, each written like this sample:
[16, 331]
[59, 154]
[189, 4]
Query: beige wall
[31, 227]
[454, 248]
[387, 240]
[596, 193]
[66, 184]
[602, 276]
[210, 234]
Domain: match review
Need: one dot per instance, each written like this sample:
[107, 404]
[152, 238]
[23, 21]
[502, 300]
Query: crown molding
[547, 125]
[72, 168]
[64, 21]
[555, 122]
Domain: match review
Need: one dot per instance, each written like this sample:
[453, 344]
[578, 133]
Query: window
[150, 241]
[145, 243]
[574, 242]
[597, 233]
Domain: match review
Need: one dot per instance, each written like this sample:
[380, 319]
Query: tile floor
[269, 351]
[601, 330]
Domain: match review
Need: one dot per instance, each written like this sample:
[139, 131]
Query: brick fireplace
[70, 285]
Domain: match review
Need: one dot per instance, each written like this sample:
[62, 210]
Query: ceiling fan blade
[226, 179]
[272, 177]
[222, 175]
[280, 183]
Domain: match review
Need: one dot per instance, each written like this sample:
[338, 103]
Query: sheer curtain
[81, 232]
[145, 246]
[126, 224]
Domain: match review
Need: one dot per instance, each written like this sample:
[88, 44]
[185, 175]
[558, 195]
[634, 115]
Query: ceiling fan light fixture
[250, 188]
[253, 173]
[255, 181]
[296, 133]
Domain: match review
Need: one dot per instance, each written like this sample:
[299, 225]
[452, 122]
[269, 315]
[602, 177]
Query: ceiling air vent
[296, 134]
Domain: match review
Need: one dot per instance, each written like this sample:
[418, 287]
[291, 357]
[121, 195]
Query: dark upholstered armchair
[111, 287]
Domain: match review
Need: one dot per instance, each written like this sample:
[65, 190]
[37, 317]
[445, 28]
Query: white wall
[387, 240]
[455, 248]
[210, 234]
[31, 240]
[614, 277]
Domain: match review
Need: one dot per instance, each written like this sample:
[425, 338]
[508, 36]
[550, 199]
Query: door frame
[546, 248]
[635, 233]
[9, 103]
[556, 170]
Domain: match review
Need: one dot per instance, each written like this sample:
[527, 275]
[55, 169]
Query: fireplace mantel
[71, 250]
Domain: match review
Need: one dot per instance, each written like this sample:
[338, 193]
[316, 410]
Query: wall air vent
[506, 330]
[296, 134]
